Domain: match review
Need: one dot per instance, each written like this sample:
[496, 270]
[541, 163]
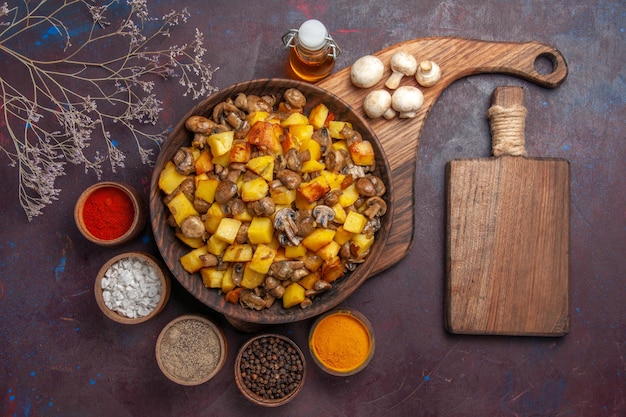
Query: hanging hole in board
[545, 63]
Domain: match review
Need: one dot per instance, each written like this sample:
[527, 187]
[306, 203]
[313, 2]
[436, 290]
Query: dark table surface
[60, 356]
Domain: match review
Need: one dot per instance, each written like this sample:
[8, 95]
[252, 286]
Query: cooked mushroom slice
[270, 283]
[233, 174]
[319, 287]
[184, 161]
[208, 260]
[356, 171]
[187, 187]
[351, 264]
[345, 251]
[262, 207]
[274, 287]
[289, 178]
[241, 101]
[292, 160]
[242, 130]
[270, 100]
[379, 185]
[220, 171]
[351, 135]
[199, 140]
[294, 99]
[218, 113]
[225, 191]
[359, 203]
[365, 187]
[199, 124]
[284, 221]
[371, 227]
[322, 136]
[249, 299]
[242, 233]
[269, 300]
[335, 160]
[323, 215]
[222, 127]
[306, 223]
[332, 197]
[201, 205]
[375, 206]
[307, 302]
[192, 227]
[298, 274]
[237, 275]
[256, 103]
[234, 207]
[293, 270]
[221, 265]
[349, 256]
[235, 119]
[281, 270]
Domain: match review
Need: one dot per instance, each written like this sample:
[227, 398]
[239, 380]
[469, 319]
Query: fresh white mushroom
[378, 103]
[406, 100]
[428, 73]
[401, 64]
[367, 71]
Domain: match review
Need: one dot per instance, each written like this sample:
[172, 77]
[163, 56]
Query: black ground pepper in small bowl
[270, 370]
[191, 349]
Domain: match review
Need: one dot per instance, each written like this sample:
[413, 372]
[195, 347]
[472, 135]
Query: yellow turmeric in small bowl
[342, 342]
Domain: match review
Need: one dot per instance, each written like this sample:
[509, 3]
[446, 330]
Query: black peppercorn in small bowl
[270, 370]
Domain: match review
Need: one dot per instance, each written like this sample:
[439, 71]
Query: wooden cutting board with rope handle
[507, 250]
[457, 58]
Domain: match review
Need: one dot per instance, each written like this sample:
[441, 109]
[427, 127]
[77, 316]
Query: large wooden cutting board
[507, 250]
[457, 58]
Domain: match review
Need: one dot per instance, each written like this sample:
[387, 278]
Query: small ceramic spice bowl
[342, 342]
[191, 349]
[132, 288]
[110, 213]
[270, 370]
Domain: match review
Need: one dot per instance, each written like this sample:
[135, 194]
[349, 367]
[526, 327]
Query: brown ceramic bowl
[351, 336]
[124, 192]
[116, 263]
[244, 370]
[190, 350]
[172, 249]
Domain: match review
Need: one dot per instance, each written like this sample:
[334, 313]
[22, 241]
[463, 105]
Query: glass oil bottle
[312, 51]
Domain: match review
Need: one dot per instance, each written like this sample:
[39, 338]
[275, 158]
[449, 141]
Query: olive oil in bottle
[312, 51]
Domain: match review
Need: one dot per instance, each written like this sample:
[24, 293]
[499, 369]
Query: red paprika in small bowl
[110, 213]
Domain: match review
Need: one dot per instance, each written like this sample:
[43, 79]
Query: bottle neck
[318, 55]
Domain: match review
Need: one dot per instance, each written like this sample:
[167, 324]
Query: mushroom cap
[376, 103]
[407, 100]
[367, 71]
[403, 62]
[323, 214]
[428, 73]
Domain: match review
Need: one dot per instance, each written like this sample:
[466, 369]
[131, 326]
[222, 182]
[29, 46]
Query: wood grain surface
[457, 58]
[508, 242]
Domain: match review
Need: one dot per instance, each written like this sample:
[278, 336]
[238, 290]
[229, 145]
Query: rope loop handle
[507, 117]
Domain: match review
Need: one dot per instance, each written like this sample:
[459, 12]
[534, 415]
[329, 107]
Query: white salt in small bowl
[132, 288]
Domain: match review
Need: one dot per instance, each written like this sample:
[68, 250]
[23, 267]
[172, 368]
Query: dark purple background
[60, 356]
